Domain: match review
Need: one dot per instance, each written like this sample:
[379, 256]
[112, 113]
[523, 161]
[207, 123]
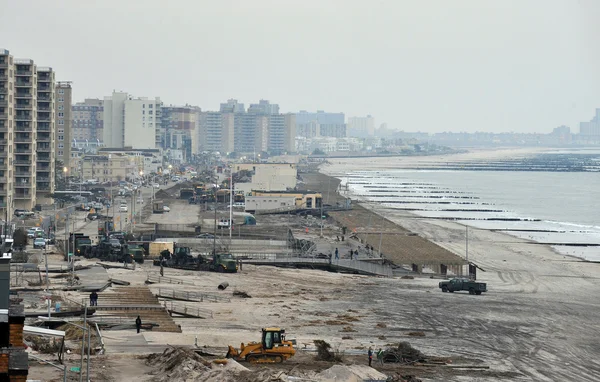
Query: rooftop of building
[301, 192]
[128, 150]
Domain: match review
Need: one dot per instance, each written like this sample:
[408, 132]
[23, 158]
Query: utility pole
[47, 279]
[321, 216]
[230, 203]
[467, 243]
[215, 227]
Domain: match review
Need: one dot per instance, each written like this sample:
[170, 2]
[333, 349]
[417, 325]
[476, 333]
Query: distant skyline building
[260, 128]
[361, 127]
[320, 124]
[88, 121]
[180, 129]
[132, 122]
[591, 128]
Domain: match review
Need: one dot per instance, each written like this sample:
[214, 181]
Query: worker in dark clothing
[138, 323]
[337, 254]
[370, 353]
[94, 298]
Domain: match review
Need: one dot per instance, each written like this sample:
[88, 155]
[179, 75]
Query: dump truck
[272, 348]
[459, 284]
[137, 253]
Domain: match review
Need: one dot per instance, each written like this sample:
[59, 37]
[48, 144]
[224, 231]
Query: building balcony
[3, 129]
[3, 64]
[22, 83]
[21, 195]
[26, 128]
[3, 192]
[22, 174]
[3, 102]
[23, 106]
[23, 162]
[23, 72]
[3, 90]
[44, 97]
[44, 107]
[43, 160]
[3, 141]
[23, 151]
[18, 139]
[44, 119]
[43, 127]
[20, 95]
[43, 149]
[24, 118]
[43, 187]
[3, 115]
[23, 185]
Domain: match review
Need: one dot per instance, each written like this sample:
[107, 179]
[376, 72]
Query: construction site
[330, 287]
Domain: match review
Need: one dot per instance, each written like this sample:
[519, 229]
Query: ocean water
[557, 208]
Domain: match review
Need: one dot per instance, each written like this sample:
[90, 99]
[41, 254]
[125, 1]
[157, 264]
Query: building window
[61, 146]
[60, 131]
[150, 106]
[61, 114]
[61, 91]
[61, 121]
[60, 153]
[61, 107]
[61, 137]
[61, 99]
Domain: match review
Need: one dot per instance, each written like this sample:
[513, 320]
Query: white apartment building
[131, 122]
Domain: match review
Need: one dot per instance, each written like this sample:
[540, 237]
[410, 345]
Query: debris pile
[42, 344]
[177, 364]
[242, 294]
[324, 352]
[404, 378]
[403, 353]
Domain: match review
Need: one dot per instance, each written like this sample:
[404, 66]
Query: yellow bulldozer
[272, 348]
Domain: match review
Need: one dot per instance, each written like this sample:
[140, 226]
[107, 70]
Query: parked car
[206, 236]
[123, 208]
[20, 213]
[40, 242]
[166, 209]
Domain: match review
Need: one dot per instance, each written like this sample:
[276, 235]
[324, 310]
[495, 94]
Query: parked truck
[156, 247]
[459, 284]
[78, 244]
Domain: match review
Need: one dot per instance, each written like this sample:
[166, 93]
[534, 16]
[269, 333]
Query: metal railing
[175, 307]
[156, 279]
[190, 296]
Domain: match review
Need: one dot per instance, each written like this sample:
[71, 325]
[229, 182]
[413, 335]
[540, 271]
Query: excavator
[272, 348]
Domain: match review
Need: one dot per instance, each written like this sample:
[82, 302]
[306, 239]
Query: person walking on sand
[370, 353]
[138, 323]
[337, 254]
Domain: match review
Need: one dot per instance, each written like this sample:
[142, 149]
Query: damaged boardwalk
[341, 265]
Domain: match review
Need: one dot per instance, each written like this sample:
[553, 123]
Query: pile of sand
[177, 364]
[350, 373]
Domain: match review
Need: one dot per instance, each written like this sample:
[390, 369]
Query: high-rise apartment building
[7, 125]
[591, 128]
[25, 137]
[64, 122]
[132, 122]
[27, 132]
[320, 124]
[261, 128]
[46, 128]
[88, 120]
[361, 127]
[179, 129]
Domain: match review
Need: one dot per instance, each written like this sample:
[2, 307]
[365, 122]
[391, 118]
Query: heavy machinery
[137, 252]
[181, 258]
[78, 244]
[272, 348]
[219, 262]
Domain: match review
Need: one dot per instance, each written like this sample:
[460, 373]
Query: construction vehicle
[453, 285]
[219, 262]
[137, 252]
[181, 258]
[77, 244]
[272, 348]
[186, 193]
[105, 225]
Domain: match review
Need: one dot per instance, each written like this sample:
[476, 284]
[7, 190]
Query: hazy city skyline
[522, 66]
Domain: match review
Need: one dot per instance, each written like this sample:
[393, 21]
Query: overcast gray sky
[470, 65]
